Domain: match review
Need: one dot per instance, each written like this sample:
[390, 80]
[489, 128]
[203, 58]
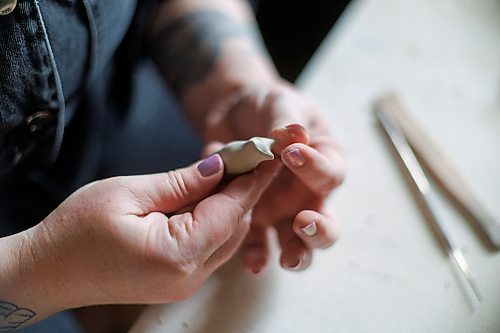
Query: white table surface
[386, 273]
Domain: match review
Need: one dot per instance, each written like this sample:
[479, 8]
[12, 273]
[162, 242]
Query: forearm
[209, 52]
[15, 303]
[29, 291]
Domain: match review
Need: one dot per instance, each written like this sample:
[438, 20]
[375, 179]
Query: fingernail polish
[310, 230]
[210, 165]
[295, 158]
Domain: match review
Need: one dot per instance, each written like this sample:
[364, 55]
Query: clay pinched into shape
[243, 156]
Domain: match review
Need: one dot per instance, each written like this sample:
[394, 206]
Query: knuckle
[176, 184]
[329, 185]
[328, 241]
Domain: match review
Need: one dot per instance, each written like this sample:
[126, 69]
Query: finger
[285, 136]
[255, 251]
[218, 215]
[295, 254]
[286, 106]
[170, 191]
[316, 230]
[226, 251]
[320, 173]
[211, 148]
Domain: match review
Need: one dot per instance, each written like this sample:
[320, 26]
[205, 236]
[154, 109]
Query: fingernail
[296, 128]
[294, 266]
[210, 166]
[310, 230]
[295, 158]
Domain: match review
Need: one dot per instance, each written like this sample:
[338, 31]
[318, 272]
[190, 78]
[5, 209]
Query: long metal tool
[427, 194]
[442, 170]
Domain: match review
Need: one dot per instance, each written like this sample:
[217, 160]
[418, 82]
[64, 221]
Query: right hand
[111, 242]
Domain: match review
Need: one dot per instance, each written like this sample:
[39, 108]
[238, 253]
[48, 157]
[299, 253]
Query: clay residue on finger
[283, 137]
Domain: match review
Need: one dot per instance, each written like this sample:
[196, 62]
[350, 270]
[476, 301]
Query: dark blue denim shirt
[66, 70]
[50, 51]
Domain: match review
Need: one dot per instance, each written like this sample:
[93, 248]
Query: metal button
[30, 140]
[7, 6]
[37, 120]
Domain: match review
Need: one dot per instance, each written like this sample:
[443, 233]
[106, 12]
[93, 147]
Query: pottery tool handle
[441, 169]
[427, 195]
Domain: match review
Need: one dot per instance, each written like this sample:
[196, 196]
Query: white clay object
[243, 156]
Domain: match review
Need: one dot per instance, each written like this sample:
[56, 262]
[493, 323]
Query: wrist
[24, 284]
[224, 87]
[34, 276]
[210, 52]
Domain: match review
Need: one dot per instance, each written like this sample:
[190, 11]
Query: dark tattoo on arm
[12, 316]
[188, 48]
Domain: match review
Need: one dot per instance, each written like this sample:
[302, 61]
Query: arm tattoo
[11, 316]
[188, 48]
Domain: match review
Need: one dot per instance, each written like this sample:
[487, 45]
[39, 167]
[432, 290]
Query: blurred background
[292, 30]
[387, 272]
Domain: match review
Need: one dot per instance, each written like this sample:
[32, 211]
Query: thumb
[219, 215]
[173, 190]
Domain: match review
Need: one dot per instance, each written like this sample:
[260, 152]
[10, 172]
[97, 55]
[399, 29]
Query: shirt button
[38, 120]
[7, 6]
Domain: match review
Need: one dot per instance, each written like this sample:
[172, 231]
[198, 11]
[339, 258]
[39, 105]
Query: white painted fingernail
[310, 230]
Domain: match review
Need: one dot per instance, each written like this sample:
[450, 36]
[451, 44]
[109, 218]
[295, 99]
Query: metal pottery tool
[385, 109]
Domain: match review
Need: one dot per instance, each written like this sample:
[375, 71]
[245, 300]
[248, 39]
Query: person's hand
[144, 239]
[294, 204]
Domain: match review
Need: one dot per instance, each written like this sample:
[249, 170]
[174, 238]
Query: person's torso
[49, 52]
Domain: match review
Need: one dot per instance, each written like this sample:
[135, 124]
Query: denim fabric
[50, 50]
[47, 49]
[118, 116]
[119, 119]
[108, 22]
[30, 101]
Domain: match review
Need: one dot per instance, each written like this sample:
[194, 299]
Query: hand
[294, 204]
[112, 242]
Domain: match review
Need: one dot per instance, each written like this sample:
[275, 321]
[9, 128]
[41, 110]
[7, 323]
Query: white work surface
[386, 273]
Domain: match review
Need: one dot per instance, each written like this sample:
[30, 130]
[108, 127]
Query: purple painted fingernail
[295, 158]
[210, 166]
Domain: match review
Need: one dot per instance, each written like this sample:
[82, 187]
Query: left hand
[294, 203]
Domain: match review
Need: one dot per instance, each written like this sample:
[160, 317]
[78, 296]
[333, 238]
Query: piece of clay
[243, 156]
